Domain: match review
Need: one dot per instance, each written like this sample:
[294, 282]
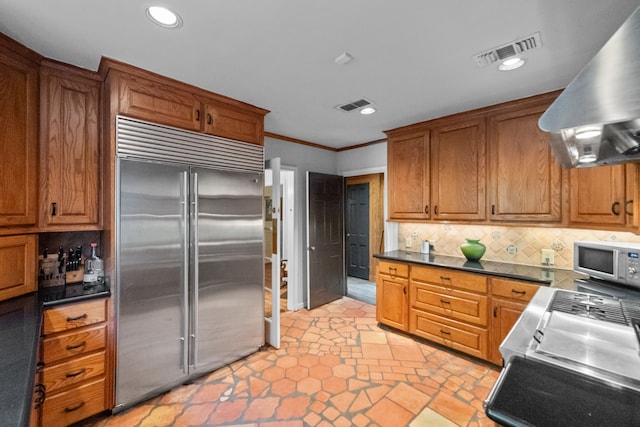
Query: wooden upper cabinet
[458, 166]
[69, 152]
[18, 140]
[158, 99]
[597, 195]
[158, 103]
[235, 124]
[408, 168]
[525, 182]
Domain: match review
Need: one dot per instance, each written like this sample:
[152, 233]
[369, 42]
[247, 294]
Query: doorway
[362, 286]
[358, 230]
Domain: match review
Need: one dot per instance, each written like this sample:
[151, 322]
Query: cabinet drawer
[73, 344]
[513, 289]
[459, 336]
[72, 372]
[74, 316]
[74, 405]
[453, 304]
[450, 278]
[393, 269]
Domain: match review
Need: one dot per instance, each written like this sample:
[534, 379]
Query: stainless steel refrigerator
[189, 266]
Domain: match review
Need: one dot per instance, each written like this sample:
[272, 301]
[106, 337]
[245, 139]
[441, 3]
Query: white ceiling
[413, 58]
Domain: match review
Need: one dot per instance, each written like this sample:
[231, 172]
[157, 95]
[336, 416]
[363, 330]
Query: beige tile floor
[336, 367]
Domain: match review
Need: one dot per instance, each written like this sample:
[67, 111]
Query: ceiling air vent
[510, 49]
[354, 105]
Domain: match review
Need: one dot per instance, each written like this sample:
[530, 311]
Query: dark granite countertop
[544, 276]
[20, 320]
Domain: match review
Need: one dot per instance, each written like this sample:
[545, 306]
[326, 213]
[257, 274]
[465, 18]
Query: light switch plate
[408, 242]
[547, 256]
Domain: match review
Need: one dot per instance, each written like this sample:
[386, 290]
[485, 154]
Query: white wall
[365, 158]
[304, 159]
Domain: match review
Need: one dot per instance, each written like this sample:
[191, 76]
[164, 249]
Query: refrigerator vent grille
[145, 140]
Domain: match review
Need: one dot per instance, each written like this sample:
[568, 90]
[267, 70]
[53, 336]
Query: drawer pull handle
[514, 291]
[209, 119]
[445, 278]
[445, 332]
[75, 374]
[73, 347]
[54, 209]
[72, 319]
[39, 367]
[41, 394]
[74, 408]
[426, 209]
[445, 301]
[626, 207]
[404, 290]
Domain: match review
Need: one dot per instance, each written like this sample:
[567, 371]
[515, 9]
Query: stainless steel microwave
[611, 261]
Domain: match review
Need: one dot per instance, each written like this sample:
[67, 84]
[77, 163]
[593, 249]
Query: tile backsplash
[519, 245]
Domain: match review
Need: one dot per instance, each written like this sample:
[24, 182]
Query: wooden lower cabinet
[468, 312]
[392, 295]
[18, 256]
[74, 345]
[509, 298]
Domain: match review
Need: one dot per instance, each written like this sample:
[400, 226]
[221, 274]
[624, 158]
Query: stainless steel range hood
[596, 119]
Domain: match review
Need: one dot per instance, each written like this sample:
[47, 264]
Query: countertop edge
[456, 263]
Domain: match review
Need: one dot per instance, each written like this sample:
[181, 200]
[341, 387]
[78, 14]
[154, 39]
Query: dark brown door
[358, 231]
[325, 232]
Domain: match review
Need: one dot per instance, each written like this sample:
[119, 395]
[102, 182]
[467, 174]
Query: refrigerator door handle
[185, 276]
[195, 267]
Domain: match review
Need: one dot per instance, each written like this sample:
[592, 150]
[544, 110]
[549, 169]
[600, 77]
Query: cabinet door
[458, 171]
[18, 141]
[17, 265]
[70, 152]
[505, 314]
[158, 103]
[224, 121]
[392, 301]
[597, 195]
[525, 181]
[408, 167]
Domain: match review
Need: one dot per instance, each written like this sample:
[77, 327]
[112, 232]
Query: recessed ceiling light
[511, 64]
[164, 17]
[367, 110]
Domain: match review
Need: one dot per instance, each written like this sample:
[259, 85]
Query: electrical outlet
[547, 256]
[408, 242]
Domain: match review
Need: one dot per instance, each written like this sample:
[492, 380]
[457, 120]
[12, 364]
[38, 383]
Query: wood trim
[376, 215]
[364, 144]
[9, 44]
[63, 69]
[299, 141]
